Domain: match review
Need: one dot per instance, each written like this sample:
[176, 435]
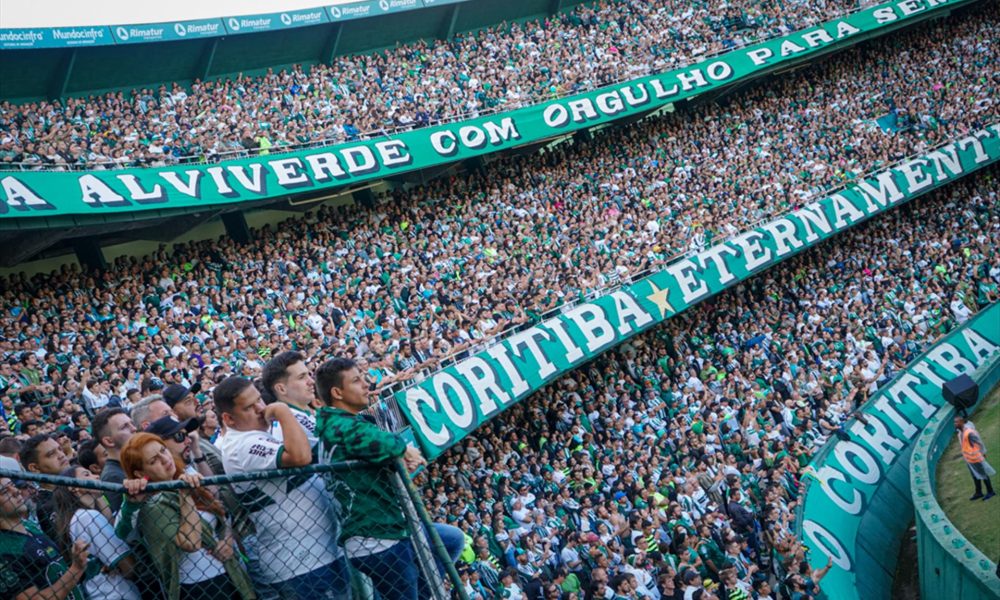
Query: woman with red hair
[185, 531]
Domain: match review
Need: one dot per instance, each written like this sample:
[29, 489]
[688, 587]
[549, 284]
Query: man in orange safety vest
[974, 453]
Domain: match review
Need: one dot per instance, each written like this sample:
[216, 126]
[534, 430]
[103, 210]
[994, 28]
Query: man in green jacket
[375, 533]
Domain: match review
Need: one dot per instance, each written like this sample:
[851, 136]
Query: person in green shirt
[375, 533]
[30, 564]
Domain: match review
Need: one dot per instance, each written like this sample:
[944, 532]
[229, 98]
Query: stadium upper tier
[439, 269]
[499, 68]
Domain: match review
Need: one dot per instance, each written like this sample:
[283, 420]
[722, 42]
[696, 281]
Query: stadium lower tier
[672, 464]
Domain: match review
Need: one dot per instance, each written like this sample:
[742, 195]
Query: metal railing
[216, 157]
[266, 535]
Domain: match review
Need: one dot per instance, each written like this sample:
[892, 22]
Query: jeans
[330, 582]
[394, 571]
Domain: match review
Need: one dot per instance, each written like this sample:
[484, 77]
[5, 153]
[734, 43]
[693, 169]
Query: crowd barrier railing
[350, 530]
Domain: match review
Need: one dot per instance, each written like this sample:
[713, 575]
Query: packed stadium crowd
[668, 468]
[499, 68]
[438, 269]
[673, 463]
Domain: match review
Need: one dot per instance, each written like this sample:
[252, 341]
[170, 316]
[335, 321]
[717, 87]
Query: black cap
[175, 392]
[168, 426]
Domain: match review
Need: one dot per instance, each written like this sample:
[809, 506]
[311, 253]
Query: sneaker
[976, 497]
[988, 496]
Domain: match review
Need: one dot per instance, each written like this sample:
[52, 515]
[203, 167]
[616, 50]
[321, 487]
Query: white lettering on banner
[21, 197]
[845, 29]
[826, 541]
[876, 436]
[254, 182]
[483, 381]
[461, 415]
[755, 255]
[783, 232]
[393, 153]
[948, 357]
[886, 405]
[518, 385]
[692, 287]
[191, 187]
[221, 183]
[415, 397]
[360, 160]
[289, 172]
[140, 195]
[903, 389]
[324, 167]
[95, 192]
[981, 347]
[886, 193]
[826, 474]
[714, 255]
[842, 207]
[529, 340]
[916, 178]
[558, 327]
[473, 137]
[977, 146]
[593, 324]
[946, 162]
[812, 218]
[627, 310]
[865, 469]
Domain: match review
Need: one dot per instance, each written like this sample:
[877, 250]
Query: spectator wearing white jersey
[295, 549]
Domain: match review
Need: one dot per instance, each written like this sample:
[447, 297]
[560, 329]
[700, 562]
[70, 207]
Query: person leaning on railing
[31, 567]
[83, 514]
[185, 531]
[375, 535]
[296, 523]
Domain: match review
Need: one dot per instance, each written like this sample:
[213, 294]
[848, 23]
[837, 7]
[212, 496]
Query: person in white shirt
[295, 519]
[85, 515]
[289, 380]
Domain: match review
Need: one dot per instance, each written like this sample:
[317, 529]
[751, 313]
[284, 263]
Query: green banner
[858, 505]
[455, 401]
[43, 194]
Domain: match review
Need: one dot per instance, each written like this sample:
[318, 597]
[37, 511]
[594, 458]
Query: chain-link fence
[344, 531]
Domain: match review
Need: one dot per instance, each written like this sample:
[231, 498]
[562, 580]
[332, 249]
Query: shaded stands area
[54, 73]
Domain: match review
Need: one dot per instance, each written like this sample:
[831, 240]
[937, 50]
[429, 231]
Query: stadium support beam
[364, 197]
[88, 251]
[21, 246]
[207, 58]
[236, 226]
[332, 43]
[555, 6]
[61, 80]
[452, 21]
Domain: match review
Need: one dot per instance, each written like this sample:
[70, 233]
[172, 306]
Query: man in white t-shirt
[295, 519]
[288, 379]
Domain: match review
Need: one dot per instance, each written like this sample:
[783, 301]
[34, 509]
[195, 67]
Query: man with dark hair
[92, 456]
[296, 543]
[30, 561]
[376, 537]
[43, 454]
[112, 428]
[288, 380]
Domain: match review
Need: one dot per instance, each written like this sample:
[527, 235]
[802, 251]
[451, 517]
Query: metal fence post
[413, 505]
